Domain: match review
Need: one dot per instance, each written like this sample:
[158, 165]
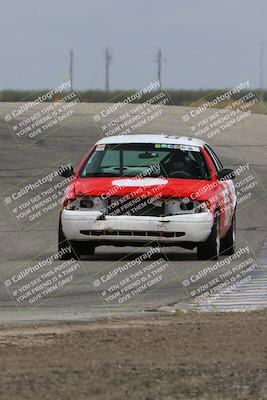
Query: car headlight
[195, 206]
[176, 206]
[93, 203]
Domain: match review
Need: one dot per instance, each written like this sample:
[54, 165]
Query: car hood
[147, 187]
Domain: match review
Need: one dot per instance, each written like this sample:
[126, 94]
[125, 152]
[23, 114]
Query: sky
[205, 43]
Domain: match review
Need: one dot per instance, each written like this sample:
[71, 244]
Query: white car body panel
[197, 227]
[157, 138]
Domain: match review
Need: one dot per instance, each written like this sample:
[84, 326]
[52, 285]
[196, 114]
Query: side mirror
[226, 174]
[66, 171]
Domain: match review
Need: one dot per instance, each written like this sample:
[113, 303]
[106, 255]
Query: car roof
[152, 138]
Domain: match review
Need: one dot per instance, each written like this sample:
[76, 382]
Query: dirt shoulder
[186, 356]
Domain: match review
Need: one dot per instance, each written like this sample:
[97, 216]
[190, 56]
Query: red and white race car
[132, 190]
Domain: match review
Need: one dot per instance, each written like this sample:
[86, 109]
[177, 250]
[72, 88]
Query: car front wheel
[83, 248]
[77, 248]
[210, 249]
[228, 242]
[65, 249]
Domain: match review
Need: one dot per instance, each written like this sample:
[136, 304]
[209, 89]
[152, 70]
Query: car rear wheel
[228, 242]
[210, 249]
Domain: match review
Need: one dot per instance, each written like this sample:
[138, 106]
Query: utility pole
[108, 60]
[159, 62]
[261, 71]
[71, 70]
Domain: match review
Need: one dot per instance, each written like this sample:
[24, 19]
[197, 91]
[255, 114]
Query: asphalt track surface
[80, 301]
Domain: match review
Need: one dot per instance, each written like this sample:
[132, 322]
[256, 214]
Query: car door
[227, 193]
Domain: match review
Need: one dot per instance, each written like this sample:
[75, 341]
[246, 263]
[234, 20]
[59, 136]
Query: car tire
[210, 249]
[228, 242]
[62, 243]
[78, 248]
[83, 248]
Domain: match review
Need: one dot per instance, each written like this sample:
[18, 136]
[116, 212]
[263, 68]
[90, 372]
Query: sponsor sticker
[100, 147]
[177, 147]
[189, 148]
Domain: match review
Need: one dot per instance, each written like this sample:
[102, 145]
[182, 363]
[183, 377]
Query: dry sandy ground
[185, 356]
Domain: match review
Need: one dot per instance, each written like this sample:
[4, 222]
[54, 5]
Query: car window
[131, 157]
[111, 158]
[168, 160]
[215, 159]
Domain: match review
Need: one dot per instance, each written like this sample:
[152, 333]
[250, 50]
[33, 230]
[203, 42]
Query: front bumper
[87, 226]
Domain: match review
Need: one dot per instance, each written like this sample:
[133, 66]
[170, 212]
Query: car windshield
[146, 160]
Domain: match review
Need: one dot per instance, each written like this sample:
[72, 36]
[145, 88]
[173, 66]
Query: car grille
[136, 206]
[166, 234]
